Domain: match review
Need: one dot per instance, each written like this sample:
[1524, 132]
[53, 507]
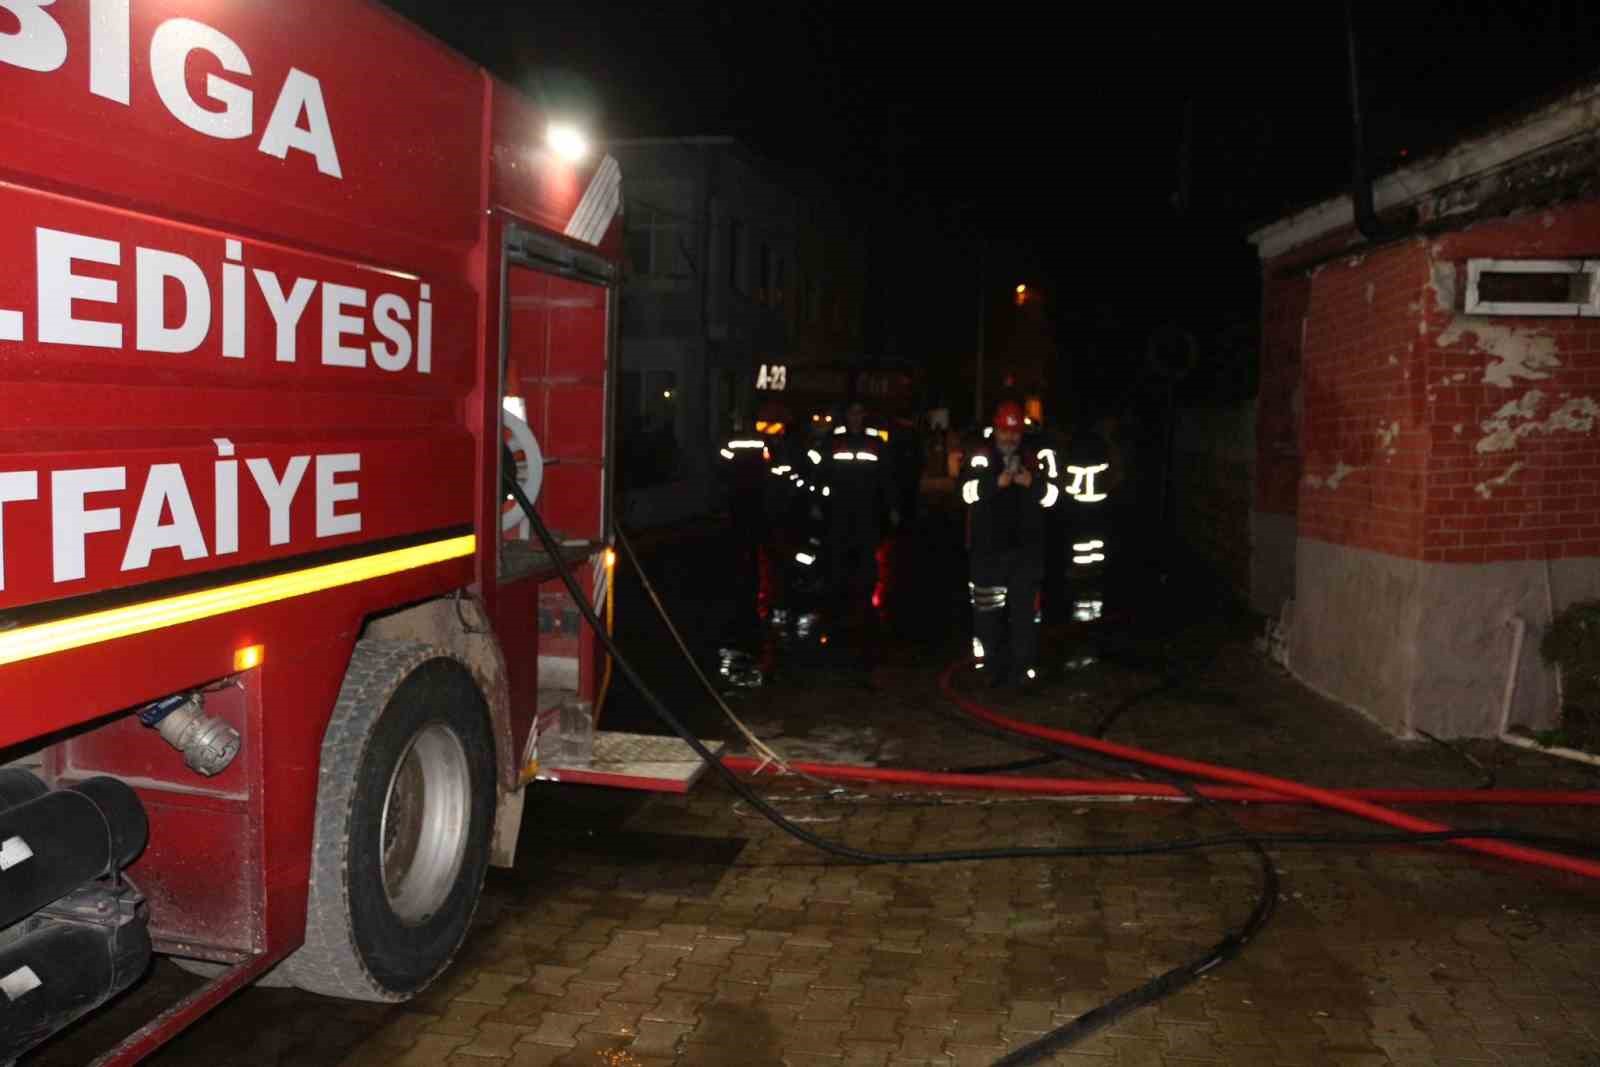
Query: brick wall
[1364, 441]
[1425, 433]
[1512, 405]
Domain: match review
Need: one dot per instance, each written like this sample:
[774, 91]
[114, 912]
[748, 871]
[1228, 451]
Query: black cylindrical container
[18, 786]
[73, 958]
[53, 844]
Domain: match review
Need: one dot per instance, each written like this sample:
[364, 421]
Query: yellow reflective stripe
[96, 627]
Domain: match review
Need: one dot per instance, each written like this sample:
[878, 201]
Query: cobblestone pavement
[643, 932]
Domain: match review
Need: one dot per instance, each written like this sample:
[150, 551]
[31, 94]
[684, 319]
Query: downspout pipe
[1366, 215]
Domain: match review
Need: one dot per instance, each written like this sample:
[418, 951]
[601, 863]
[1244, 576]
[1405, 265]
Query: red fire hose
[1239, 786]
[1283, 786]
[1110, 787]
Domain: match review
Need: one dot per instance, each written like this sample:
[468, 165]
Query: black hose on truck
[56, 842]
[71, 937]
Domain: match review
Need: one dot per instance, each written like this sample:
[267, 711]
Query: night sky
[1049, 135]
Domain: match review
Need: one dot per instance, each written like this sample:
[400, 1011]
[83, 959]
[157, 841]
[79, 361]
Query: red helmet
[1008, 416]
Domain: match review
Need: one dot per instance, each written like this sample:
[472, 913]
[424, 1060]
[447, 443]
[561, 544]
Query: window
[1532, 287]
[737, 268]
[658, 243]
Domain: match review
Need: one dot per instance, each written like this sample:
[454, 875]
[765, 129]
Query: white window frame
[1477, 268]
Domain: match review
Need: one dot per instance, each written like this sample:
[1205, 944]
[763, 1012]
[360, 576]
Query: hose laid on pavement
[1111, 787]
[1231, 944]
[1322, 797]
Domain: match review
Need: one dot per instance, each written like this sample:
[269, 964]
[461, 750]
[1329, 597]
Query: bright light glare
[567, 142]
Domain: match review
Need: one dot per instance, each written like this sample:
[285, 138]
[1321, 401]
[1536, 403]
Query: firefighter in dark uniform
[784, 503]
[743, 464]
[857, 478]
[1008, 485]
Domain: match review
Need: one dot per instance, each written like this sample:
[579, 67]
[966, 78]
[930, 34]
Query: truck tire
[405, 808]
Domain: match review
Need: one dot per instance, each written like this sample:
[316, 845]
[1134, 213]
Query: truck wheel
[405, 807]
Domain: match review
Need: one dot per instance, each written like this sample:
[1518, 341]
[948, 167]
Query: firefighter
[744, 459]
[857, 477]
[779, 490]
[1008, 485]
[784, 507]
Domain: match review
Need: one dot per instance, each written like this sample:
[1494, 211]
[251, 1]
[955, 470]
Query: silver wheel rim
[426, 813]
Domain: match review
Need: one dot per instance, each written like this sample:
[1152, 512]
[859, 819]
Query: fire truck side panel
[556, 368]
[516, 615]
[196, 868]
[117, 118]
[251, 396]
[197, 915]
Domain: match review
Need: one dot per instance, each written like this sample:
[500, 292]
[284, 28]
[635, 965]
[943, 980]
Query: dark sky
[1054, 130]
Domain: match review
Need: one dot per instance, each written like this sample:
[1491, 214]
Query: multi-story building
[741, 276]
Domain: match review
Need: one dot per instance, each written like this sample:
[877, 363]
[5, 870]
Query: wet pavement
[645, 931]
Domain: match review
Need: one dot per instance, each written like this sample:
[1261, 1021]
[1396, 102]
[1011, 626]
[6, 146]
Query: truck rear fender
[459, 624]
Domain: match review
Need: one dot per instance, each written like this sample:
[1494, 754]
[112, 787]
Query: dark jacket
[743, 462]
[1009, 518]
[858, 472]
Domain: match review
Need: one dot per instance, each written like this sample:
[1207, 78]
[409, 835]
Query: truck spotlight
[567, 141]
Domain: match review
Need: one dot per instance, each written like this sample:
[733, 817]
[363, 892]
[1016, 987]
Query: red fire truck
[278, 283]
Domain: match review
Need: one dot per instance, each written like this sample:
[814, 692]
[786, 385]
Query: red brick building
[1427, 462]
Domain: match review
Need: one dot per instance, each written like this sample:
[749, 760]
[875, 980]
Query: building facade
[740, 276]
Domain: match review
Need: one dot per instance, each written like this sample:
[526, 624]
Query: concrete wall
[1272, 560]
[1427, 646]
[1353, 631]
[1465, 639]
